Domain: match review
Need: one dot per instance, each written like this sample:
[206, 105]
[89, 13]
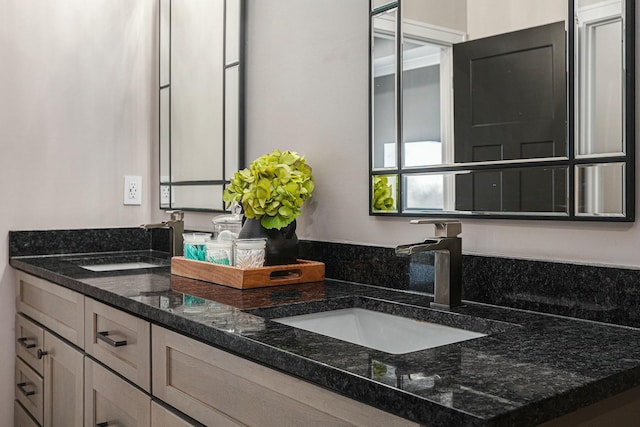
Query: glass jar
[249, 253]
[220, 252]
[195, 245]
[227, 227]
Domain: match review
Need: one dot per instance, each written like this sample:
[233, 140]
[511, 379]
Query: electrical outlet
[132, 190]
[165, 195]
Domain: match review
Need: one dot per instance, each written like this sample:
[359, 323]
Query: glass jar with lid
[249, 253]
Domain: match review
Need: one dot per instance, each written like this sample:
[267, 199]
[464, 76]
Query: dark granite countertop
[528, 369]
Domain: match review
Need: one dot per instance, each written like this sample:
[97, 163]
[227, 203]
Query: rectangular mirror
[491, 118]
[600, 78]
[201, 100]
[232, 125]
[383, 49]
[526, 191]
[198, 197]
[600, 189]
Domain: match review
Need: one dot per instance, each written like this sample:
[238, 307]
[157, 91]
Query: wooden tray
[246, 278]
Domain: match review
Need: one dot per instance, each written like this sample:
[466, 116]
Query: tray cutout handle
[285, 275]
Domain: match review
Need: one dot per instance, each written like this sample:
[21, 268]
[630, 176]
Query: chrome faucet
[447, 247]
[176, 228]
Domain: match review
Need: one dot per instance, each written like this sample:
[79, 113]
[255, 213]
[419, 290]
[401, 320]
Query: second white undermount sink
[380, 331]
[119, 266]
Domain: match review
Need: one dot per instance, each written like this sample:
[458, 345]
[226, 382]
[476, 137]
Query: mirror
[475, 110]
[201, 101]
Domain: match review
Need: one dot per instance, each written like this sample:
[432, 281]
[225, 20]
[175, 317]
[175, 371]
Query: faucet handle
[444, 227]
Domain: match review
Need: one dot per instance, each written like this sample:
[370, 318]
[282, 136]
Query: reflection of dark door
[510, 103]
[533, 189]
[510, 95]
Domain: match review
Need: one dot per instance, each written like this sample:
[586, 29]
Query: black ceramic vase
[282, 244]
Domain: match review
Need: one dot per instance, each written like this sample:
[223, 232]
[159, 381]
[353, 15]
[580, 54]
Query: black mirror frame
[629, 132]
[241, 64]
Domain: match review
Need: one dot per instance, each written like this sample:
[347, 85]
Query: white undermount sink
[119, 266]
[379, 331]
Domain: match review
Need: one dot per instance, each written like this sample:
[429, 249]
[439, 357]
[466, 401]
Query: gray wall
[77, 112]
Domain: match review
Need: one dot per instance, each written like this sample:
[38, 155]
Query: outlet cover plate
[132, 190]
[165, 195]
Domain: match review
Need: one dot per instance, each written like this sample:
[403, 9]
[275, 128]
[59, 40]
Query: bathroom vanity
[151, 347]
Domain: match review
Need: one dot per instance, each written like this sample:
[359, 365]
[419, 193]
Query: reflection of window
[424, 192]
[420, 153]
[412, 113]
[389, 155]
[425, 111]
[420, 102]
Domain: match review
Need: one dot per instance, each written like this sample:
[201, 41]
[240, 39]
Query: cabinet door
[64, 380]
[216, 388]
[21, 417]
[111, 400]
[54, 306]
[162, 417]
[29, 390]
[29, 339]
[120, 341]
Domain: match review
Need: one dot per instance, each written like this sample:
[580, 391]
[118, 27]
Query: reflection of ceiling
[482, 18]
[492, 17]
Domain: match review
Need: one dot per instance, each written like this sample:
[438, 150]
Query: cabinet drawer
[21, 417]
[161, 416]
[119, 340]
[56, 307]
[109, 399]
[29, 339]
[29, 390]
[208, 384]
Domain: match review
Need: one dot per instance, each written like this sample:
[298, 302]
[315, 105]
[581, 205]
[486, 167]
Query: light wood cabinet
[29, 340]
[57, 308]
[162, 417]
[111, 400]
[29, 390]
[21, 417]
[120, 341]
[54, 396]
[217, 388]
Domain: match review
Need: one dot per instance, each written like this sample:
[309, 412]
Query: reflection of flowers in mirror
[272, 188]
[382, 194]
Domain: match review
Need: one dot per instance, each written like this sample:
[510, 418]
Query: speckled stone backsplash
[595, 293]
[48, 242]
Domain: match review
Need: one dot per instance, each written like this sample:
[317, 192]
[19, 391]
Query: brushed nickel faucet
[176, 228]
[447, 247]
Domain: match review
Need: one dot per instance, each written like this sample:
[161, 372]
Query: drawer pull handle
[104, 424]
[24, 341]
[41, 353]
[21, 387]
[104, 336]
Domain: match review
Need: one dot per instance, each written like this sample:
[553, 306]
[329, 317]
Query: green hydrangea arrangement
[272, 188]
[382, 194]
